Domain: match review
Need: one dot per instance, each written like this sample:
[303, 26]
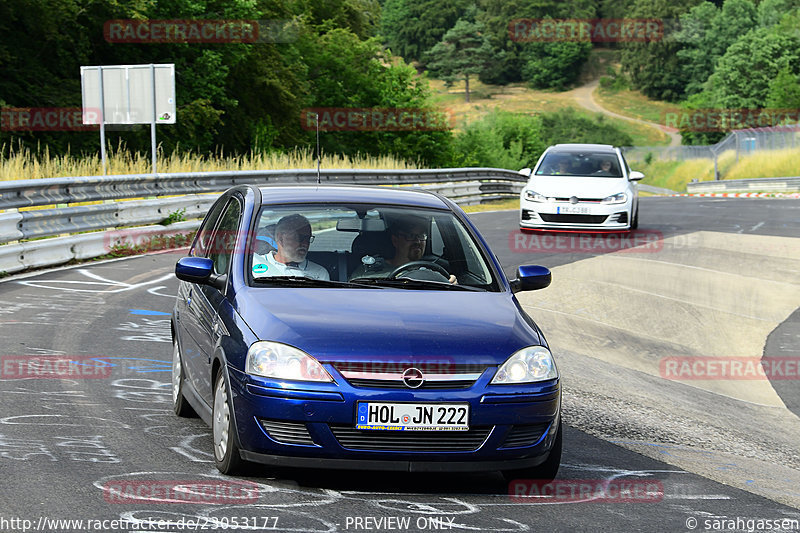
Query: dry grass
[634, 104]
[676, 174]
[772, 164]
[23, 163]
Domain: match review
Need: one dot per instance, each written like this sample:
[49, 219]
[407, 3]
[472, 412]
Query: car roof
[582, 148]
[293, 194]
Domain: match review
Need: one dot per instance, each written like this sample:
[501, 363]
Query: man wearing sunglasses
[409, 237]
[292, 237]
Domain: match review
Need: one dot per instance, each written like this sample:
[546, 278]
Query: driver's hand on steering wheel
[453, 280]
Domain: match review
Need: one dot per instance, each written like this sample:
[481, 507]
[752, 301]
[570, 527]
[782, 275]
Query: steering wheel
[416, 265]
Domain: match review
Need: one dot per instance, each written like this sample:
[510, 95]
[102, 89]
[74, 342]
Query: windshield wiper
[411, 283]
[311, 282]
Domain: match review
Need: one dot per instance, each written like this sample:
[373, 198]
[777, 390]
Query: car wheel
[179, 403]
[635, 219]
[546, 471]
[226, 449]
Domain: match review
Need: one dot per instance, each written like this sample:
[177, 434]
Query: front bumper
[589, 216]
[313, 425]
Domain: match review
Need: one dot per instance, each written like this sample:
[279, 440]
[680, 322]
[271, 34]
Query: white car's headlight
[620, 198]
[534, 363]
[279, 361]
[534, 196]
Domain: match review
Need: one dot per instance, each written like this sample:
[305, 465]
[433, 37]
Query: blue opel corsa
[361, 328]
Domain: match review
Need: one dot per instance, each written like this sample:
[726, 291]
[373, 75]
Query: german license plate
[572, 210]
[412, 416]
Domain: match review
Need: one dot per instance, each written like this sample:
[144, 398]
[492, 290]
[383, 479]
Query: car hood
[580, 186]
[380, 324]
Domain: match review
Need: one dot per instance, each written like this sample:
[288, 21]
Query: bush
[500, 140]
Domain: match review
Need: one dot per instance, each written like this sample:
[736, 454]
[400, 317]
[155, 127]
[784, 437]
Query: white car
[580, 187]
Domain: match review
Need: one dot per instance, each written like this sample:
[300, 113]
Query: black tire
[635, 219]
[179, 403]
[223, 431]
[546, 471]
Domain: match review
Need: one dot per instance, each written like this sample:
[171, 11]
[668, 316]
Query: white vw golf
[580, 187]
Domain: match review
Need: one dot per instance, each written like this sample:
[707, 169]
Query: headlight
[616, 198]
[279, 361]
[534, 196]
[534, 363]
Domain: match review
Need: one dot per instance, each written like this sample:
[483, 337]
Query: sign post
[129, 94]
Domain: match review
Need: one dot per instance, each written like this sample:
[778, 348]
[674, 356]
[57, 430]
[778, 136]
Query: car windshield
[595, 164]
[359, 246]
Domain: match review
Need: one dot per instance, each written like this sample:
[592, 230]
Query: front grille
[526, 435]
[438, 375]
[592, 200]
[287, 432]
[411, 441]
[573, 219]
[392, 384]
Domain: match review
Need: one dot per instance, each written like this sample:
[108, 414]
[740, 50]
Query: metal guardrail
[463, 185]
[28, 193]
[748, 185]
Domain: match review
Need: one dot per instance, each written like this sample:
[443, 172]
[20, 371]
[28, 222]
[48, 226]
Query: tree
[410, 27]
[654, 67]
[784, 91]
[463, 51]
[554, 65]
[743, 75]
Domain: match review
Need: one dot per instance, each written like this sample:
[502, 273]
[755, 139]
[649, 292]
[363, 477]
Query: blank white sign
[128, 94]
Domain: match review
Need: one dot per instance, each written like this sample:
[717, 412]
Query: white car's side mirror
[525, 172]
[635, 175]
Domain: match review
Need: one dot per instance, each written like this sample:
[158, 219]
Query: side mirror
[531, 278]
[199, 270]
[526, 172]
[635, 175]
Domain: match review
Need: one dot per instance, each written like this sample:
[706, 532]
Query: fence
[462, 185]
[742, 142]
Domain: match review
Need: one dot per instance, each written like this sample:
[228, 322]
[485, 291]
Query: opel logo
[413, 378]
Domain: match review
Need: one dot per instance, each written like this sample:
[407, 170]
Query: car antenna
[316, 120]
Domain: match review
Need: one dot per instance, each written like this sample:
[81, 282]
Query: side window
[201, 245]
[224, 240]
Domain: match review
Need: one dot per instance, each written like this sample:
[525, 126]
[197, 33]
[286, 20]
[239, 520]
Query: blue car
[361, 328]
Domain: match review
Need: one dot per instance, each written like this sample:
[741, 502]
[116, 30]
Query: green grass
[633, 104]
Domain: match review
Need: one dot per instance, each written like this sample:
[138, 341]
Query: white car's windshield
[596, 164]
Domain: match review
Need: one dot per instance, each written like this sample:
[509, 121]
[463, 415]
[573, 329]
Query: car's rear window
[596, 164]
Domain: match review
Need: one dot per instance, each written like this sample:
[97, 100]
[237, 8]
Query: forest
[238, 94]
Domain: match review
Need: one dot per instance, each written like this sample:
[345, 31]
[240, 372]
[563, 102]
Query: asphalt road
[66, 445]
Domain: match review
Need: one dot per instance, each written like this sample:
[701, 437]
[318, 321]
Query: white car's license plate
[412, 416]
[572, 210]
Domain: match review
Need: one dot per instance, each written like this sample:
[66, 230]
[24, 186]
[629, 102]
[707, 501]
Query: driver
[409, 238]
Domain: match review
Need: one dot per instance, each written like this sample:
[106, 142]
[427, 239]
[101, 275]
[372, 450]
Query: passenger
[292, 237]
